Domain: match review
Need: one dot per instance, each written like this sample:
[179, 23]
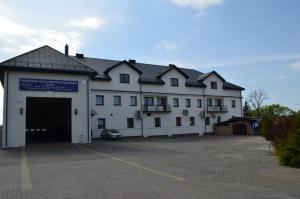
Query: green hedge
[284, 132]
[288, 151]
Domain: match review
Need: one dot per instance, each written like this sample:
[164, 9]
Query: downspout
[6, 108]
[141, 107]
[242, 112]
[88, 108]
[204, 104]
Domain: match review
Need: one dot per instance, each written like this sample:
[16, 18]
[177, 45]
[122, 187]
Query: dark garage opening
[239, 129]
[48, 120]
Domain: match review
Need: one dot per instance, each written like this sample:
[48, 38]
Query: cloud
[254, 81]
[256, 59]
[200, 5]
[282, 77]
[295, 65]
[16, 38]
[166, 45]
[89, 23]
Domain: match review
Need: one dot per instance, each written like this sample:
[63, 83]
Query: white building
[72, 98]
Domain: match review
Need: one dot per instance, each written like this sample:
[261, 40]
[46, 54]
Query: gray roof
[151, 72]
[46, 59]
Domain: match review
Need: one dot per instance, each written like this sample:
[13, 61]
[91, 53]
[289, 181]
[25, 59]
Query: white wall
[168, 120]
[114, 84]
[16, 122]
[227, 96]
[115, 116]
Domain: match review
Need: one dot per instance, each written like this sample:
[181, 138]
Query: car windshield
[114, 132]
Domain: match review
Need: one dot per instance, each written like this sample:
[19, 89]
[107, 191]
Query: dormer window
[124, 78]
[174, 82]
[213, 85]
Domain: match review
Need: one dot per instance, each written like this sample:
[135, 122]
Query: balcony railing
[216, 109]
[157, 108]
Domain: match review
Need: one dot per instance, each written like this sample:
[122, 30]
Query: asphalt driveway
[179, 167]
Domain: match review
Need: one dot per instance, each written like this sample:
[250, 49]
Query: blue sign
[48, 85]
[255, 124]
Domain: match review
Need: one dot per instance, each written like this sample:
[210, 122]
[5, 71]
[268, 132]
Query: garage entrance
[239, 129]
[48, 120]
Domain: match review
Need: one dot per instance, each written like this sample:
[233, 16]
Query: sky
[252, 43]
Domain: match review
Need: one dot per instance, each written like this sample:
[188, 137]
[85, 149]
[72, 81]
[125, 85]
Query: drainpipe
[6, 108]
[88, 108]
[204, 104]
[242, 112]
[141, 107]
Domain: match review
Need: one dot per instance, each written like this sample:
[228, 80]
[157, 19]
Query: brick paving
[178, 167]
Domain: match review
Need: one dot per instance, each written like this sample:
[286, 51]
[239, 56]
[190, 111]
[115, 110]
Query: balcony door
[161, 101]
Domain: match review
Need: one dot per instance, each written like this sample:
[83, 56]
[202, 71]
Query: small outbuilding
[238, 126]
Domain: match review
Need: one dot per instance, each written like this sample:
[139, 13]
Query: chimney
[132, 61]
[172, 65]
[79, 55]
[67, 50]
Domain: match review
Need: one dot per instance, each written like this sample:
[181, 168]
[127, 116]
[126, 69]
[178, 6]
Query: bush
[266, 123]
[288, 151]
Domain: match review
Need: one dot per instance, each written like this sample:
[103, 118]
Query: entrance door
[48, 120]
[239, 129]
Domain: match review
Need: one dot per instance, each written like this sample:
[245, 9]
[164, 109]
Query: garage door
[48, 120]
[239, 129]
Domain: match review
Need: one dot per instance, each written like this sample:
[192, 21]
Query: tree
[276, 122]
[277, 110]
[247, 110]
[256, 100]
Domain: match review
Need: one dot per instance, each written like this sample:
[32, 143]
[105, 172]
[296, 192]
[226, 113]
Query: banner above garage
[48, 85]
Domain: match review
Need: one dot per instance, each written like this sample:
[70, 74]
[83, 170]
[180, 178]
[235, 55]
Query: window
[133, 101]
[192, 121]
[99, 100]
[117, 100]
[207, 120]
[130, 123]
[124, 78]
[199, 103]
[188, 102]
[174, 82]
[101, 123]
[149, 101]
[218, 102]
[209, 102]
[213, 85]
[161, 101]
[157, 122]
[175, 102]
[218, 119]
[178, 121]
[233, 103]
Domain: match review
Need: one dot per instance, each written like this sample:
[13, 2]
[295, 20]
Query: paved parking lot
[179, 167]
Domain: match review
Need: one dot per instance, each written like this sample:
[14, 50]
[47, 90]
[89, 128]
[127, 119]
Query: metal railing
[157, 108]
[221, 108]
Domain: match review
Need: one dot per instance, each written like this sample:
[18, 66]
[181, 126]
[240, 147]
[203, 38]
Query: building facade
[135, 98]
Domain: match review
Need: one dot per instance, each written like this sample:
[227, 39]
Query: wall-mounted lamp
[76, 111]
[21, 111]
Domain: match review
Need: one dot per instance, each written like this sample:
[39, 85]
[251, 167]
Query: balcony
[158, 108]
[217, 109]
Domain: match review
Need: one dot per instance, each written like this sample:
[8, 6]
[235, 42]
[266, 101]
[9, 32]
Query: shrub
[266, 123]
[288, 151]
